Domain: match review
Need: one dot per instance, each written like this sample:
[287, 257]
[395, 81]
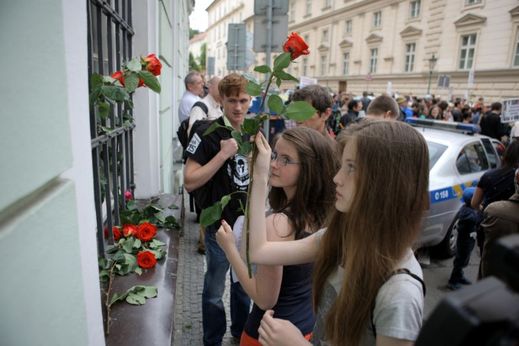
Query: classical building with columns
[359, 45]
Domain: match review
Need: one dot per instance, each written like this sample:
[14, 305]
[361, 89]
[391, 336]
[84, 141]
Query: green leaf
[150, 80]
[253, 89]
[149, 291]
[137, 244]
[115, 93]
[128, 245]
[173, 206]
[104, 109]
[237, 136]
[118, 297]
[171, 222]
[134, 65]
[96, 80]
[225, 200]
[131, 81]
[158, 253]
[245, 148]
[161, 217]
[286, 76]
[212, 128]
[131, 205]
[262, 69]
[251, 125]
[276, 104]
[135, 299]
[211, 215]
[138, 270]
[278, 82]
[281, 61]
[299, 110]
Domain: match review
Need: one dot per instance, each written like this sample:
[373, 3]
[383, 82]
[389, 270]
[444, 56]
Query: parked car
[458, 158]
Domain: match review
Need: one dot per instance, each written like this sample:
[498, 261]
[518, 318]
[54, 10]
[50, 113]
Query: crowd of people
[334, 263]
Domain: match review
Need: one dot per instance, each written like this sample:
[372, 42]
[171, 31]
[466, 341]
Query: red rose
[146, 259]
[129, 230]
[296, 46]
[152, 64]
[115, 231]
[119, 76]
[128, 196]
[146, 231]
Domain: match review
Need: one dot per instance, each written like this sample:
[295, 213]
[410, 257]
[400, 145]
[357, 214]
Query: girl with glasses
[302, 167]
[367, 285]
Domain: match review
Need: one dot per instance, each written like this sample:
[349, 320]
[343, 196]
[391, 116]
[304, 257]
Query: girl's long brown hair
[369, 240]
[314, 197]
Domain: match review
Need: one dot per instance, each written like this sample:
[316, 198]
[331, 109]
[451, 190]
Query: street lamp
[432, 62]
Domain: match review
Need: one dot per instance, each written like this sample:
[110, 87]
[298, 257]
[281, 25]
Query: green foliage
[263, 69]
[253, 89]
[150, 80]
[300, 110]
[193, 66]
[276, 104]
[281, 61]
[203, 57]
[214, 213]
[135, 295]
[150, 212]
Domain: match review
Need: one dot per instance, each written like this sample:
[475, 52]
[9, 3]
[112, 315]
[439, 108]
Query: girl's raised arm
[261, 250]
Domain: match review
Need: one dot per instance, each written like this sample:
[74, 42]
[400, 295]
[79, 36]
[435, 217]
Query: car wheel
[447, 247]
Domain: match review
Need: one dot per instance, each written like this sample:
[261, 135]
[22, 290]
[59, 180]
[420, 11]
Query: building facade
[50, 292]
[359, 45]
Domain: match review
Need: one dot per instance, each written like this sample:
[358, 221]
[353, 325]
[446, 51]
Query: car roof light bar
[443, 125]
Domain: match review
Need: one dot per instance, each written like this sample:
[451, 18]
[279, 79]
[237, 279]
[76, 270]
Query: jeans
[213, 312]
[464, 246]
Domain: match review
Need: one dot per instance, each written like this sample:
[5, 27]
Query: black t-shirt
[497, 185]
[491, 125]
[232, 176]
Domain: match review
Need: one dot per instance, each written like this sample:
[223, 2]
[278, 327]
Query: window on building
[377, 19]
[308, 10]
[327, 3]
[345, 63]
[324, 65]
[348, 26]
[472, 2]
[410, 49]
[516, 54]
[325, 36]
[373, 60]
[414, 8]
[468, 47]
[305, 67]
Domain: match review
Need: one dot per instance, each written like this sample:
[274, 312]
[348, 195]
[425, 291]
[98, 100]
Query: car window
[472, 159]
[435, 151]
[491, 152]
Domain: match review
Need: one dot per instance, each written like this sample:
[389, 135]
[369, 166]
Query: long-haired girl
[367, 287]
[302, 168]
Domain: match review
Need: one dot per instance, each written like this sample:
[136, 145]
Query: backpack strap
[201, 105]
[398, 271]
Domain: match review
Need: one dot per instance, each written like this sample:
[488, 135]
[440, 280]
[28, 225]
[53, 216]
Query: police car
[457, 159]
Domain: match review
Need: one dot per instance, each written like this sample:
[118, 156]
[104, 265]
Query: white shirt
[214, 111]
[187, 102]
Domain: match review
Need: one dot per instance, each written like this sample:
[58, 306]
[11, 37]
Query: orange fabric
[247, 340]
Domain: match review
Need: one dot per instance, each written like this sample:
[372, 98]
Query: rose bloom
[146, 259]
[153, 64]
[146, 231]
[116, 232]
[129, 230]
[296, 46]
[128, 196]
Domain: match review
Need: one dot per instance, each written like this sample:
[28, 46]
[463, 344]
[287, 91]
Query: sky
[198, 19]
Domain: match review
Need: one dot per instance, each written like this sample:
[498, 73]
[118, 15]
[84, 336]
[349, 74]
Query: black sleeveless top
[294, 302]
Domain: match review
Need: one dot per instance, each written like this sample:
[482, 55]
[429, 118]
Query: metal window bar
[110, 36]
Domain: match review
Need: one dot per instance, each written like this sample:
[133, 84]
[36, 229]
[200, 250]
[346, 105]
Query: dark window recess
[491, 152]
[110, 35]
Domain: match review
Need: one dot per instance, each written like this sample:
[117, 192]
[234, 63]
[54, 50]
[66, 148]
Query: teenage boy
[214, 169]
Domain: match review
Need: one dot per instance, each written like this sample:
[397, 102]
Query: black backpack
[182, 134]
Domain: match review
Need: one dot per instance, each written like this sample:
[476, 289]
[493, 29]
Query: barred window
[345, 63]
[414, 8]
[377, 19]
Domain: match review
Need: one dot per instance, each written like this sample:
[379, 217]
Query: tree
[193, 32]
[202, 58]
[193, 66]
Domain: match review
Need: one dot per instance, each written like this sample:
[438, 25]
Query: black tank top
[294, 302]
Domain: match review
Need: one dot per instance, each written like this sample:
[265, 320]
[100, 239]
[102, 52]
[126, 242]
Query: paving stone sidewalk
[190, 282]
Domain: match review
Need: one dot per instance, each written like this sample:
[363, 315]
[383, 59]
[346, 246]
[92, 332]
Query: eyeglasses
[282, 160]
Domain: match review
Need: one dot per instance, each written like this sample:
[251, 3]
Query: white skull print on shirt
[238, 170]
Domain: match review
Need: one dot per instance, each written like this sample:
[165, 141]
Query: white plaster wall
[76, 58]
